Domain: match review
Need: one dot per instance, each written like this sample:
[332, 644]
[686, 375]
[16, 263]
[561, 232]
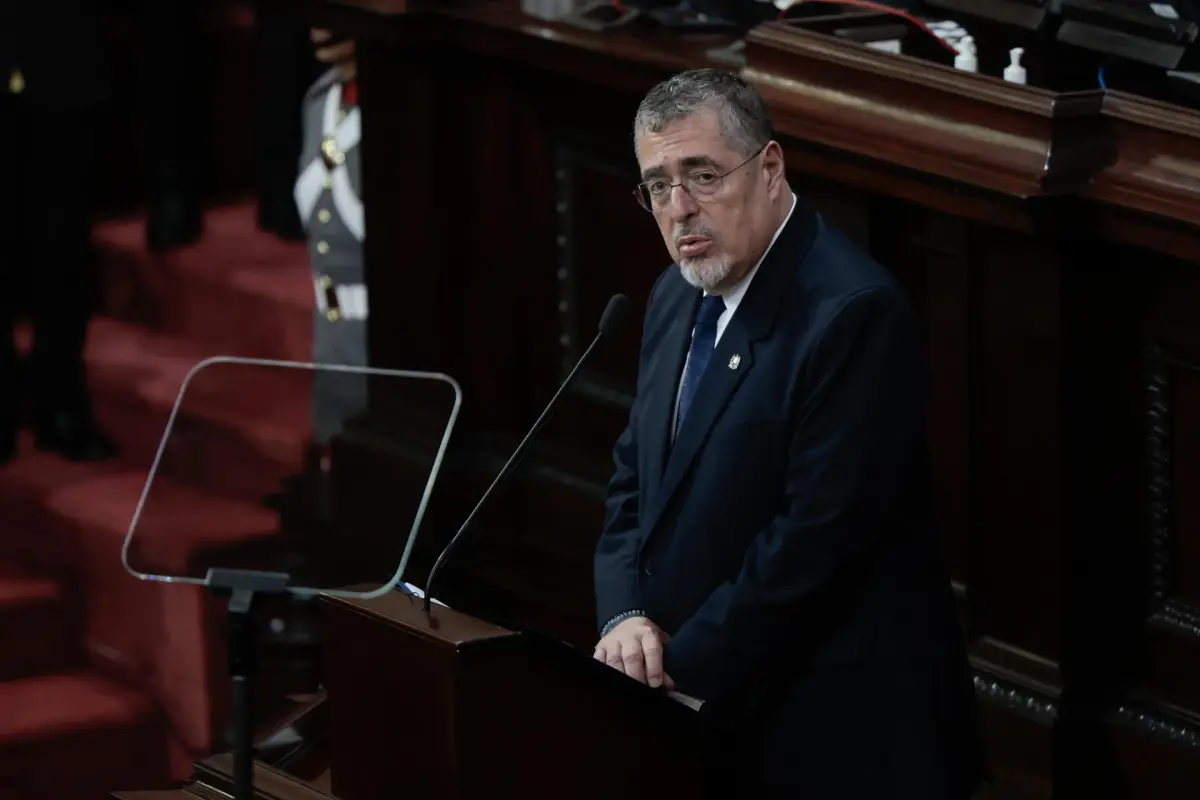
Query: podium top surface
[439, 625]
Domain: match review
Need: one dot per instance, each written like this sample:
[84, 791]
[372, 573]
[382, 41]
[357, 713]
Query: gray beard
[706, 272]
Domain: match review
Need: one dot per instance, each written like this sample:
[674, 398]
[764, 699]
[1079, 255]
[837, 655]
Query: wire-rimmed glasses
[702, 183]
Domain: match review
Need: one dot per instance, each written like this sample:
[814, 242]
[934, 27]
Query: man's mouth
[692, 246]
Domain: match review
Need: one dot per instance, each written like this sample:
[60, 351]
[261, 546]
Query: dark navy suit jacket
[785, 540]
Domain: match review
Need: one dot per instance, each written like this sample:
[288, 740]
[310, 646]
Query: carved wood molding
[915, 119]
[1016, 680]
[1015, 698]
[1153, 722]
[1157, 167]
[1014, 139]
[1166, 608]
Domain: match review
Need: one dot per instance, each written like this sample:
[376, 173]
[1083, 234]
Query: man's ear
[773, 168]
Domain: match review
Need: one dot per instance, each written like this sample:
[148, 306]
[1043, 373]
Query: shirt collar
[735, 294]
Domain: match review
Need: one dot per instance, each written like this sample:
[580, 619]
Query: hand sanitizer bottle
[966, 59]
[1014, 72]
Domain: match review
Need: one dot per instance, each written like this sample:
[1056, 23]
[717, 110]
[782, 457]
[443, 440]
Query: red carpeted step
[238, 291]
[75, 518]
[240, 430]
[64, 734]
[157, 636]
[39, 631]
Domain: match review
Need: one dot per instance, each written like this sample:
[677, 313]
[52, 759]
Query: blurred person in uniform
[53, 85]
[327, 198]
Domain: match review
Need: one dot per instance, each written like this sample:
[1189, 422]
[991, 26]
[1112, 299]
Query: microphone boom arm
[513, 460]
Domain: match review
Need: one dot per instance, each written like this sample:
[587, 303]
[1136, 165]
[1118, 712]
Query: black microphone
[611, 321]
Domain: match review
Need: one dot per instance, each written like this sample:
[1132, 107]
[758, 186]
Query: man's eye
[704, 177]
[658, 187]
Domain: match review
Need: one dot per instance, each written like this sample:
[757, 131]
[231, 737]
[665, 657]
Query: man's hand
[635, 647]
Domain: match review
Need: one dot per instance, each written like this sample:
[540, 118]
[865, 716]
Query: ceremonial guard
[327, 197]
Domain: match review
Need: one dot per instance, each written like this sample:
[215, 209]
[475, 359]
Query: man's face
[714, 236]
[334, 51]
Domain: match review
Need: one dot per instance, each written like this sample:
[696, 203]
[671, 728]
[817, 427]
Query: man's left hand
[635, 647]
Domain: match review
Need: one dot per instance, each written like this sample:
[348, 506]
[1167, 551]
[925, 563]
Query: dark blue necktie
[704, 339]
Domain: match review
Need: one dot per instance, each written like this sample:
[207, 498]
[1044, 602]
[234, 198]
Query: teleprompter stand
[241, 587]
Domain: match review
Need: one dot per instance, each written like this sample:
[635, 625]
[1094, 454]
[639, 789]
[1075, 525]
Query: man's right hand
[635, 647]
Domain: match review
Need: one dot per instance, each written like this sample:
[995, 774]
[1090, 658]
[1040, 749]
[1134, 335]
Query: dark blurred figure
[172, 97]
[284, 67]
[54, 85]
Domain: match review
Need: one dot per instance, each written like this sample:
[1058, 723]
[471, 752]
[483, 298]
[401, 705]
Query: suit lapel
[665, 369]
[731, 361]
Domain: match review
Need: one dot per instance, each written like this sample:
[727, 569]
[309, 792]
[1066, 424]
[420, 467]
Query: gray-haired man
[769, 547]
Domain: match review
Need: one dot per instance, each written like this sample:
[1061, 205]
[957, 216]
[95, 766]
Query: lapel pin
[735, 362]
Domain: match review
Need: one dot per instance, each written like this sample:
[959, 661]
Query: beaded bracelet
[619, 618]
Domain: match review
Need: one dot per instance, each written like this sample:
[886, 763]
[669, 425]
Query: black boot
[10, 383]
[170, 91]
[9, 418]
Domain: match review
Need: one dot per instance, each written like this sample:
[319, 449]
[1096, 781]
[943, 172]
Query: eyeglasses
[702, 184]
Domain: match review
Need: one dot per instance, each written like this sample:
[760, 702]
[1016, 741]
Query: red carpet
[106, 681]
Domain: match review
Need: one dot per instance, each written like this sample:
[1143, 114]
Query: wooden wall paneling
[1018, 728]
[480, 236]
[1146, 387]
[1173, 448]
[1168, 702]
[1102, 312]
[1010, 397]
[850, 210]
[478, 100]
[1171, 615]
[1017, 451]
[939, 261]
[927, 251]
[423, 138]
[1149, 761]
[409, 261]
[606, 244]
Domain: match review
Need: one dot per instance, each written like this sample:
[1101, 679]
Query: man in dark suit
[769, 547]
[53, 66]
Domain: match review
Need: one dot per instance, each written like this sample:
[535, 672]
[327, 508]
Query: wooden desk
[1047, 240]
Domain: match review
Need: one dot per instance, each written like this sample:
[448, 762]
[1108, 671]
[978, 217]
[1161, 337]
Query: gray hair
[744, 118]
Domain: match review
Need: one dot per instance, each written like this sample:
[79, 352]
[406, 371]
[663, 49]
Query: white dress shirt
[732, 298]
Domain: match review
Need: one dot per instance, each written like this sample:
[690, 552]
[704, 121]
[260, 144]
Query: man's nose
[681, 204]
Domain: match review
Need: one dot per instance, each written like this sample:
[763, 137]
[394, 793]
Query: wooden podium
[442, 705]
